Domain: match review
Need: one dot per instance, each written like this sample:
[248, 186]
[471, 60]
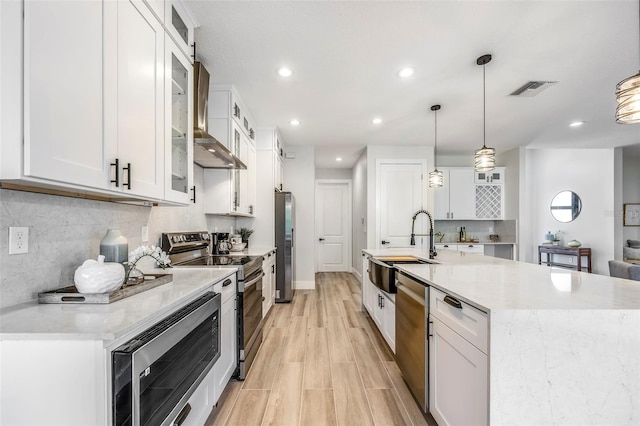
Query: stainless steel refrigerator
[285, 218]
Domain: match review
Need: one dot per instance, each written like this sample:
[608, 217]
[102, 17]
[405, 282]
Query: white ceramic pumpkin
[98, 276]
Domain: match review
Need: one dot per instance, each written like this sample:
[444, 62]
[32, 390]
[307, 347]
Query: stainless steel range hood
[208, 152]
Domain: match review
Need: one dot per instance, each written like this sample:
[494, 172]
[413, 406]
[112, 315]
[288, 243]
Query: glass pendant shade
[436, 179]
[485, 159]
[628, 100]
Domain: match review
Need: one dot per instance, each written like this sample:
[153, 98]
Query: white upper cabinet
[63, 94]
[470, 195]
[456, 198]
[98, 101]
[231, 192]
[178, 125]
[134, 96]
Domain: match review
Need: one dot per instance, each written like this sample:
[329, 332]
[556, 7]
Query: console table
[578, 252]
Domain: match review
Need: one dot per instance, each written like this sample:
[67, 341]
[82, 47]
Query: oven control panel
[174, 242]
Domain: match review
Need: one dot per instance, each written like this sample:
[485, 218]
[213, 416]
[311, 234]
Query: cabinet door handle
[194, 194]
[273, 269]
[447, 215]
[182, 416]
[381, 302]
[226, 282]
[128, 169]
[116, 164]
[453, 302]
[429, 327]
[451, 215]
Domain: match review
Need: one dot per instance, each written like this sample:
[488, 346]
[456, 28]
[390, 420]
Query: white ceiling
[345, 55]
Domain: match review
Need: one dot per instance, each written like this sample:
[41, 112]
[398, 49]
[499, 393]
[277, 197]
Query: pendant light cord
[484, 106]
[435, 135]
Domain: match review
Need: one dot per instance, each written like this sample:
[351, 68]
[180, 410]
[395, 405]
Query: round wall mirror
[566, 206]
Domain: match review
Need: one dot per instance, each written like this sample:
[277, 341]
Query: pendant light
[485, 158]
[435, 177]
[628, 95]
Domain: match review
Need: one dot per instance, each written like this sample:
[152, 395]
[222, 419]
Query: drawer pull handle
[182, 416]
[453, 302]
[226, 282]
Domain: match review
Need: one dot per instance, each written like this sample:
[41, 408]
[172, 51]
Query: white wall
[359, 228]
[590, 174]
[299, 178]
[511, 160]
[334, 173]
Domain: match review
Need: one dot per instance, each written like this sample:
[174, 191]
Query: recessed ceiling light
[406, 72]
[339, 159]
[294, 122]
[284, 72]
[377, 120]
[576, 124]
[211, 150]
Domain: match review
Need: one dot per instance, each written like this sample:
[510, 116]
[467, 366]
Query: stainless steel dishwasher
[411, 338]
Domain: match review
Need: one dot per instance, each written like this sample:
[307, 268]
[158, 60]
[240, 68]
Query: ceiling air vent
[532, 88]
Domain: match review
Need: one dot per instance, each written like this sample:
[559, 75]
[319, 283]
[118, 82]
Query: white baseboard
[357, 274]
[304, 285]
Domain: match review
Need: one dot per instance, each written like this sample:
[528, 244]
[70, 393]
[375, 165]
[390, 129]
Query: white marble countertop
[111, 321]
[499, 284]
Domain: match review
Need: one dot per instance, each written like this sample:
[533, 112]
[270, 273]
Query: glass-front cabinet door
[179, 25]
[179, 122]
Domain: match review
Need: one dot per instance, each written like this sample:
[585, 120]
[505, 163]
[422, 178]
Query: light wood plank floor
[322, 362]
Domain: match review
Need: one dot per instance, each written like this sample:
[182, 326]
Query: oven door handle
[253, 281]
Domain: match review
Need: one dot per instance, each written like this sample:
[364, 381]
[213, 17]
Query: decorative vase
[114, 246]
[134, 276]
[574, 243]
[98, 276]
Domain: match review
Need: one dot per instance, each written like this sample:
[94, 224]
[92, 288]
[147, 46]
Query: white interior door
[333, 225]
[400, 192]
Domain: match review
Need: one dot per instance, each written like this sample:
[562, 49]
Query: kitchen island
[563, 346]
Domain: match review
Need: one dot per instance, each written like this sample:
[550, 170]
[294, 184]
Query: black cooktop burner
[219, 260]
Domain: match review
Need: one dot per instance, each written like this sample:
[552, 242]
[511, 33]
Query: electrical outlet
[18, 239]
[144, 234]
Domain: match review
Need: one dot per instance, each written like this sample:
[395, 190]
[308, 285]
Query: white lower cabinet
[463, 247]
[381, 307]
[268, 282]
[458, 369]
[228, 361]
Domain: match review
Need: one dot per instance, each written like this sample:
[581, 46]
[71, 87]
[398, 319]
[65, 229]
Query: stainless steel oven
[192, 249]
[155, 373]
[250, 321]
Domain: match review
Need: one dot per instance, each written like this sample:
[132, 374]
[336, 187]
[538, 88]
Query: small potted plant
[440, 236]
[245, 233]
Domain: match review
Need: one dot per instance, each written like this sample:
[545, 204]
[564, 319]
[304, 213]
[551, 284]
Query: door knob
[320, 239]
[385, 242]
